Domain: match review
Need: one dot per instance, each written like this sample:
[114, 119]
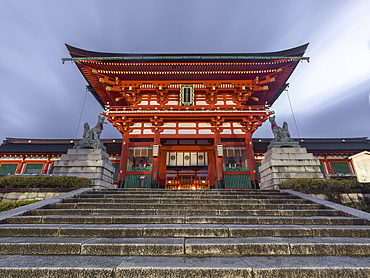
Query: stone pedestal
[93, 164]
[281, 164]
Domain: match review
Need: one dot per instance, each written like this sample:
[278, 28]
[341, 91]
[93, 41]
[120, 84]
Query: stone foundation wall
[358, 199]
[28, 194]
[344, 198]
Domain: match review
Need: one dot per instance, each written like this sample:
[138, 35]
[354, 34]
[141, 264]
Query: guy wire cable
[291, 108]
[82, 109]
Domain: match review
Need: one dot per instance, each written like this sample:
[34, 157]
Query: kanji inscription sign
[187, 95]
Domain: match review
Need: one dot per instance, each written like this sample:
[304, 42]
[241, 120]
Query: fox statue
[93, 133]
[280, 133]
[91, 136]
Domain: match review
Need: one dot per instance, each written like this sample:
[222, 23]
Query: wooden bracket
[162, 96]
[217, 123]
[157, 124]
[211, 96]
[123, 124]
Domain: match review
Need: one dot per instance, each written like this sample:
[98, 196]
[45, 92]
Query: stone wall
[355, 198]
[22, 194]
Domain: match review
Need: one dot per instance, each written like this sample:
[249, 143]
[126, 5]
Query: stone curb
[37, 205]
[348, 210]
[21, 190]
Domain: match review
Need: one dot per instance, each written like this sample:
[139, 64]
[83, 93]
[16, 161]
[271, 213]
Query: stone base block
[281, 164]
[276, 144]
[87, 172]
[93, 164]
[97, 184]
[84, 164]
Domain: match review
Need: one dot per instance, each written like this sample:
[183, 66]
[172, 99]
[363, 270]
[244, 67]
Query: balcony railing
[236, 169]
[139, 169]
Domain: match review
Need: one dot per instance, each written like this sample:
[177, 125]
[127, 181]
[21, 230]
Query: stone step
[188, 201]
[92, 246]
[146, 191]
[83, 205]
[181, 230]
[15, 266]
[175, 233]
[256, 246]
[201, 219]
[176, 196]
[267, 246]
[190, 212]
[245, 266]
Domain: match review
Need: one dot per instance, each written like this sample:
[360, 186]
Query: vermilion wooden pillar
[211, 170]
[155, 168]
[162, 169]
[20, 166]
[123, 160]
[251, 160]
[46, 166]
[219, 163]
[328, 165]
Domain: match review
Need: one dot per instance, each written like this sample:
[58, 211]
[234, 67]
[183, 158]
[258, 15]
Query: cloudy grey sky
[43, 98]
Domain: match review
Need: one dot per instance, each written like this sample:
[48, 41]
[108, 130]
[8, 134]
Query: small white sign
[220, 150]
[155, 150]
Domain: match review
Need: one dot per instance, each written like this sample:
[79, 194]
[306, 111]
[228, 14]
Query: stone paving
[183, 233]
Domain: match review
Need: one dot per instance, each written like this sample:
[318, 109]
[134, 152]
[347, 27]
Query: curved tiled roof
[187, 67]
[188, 57]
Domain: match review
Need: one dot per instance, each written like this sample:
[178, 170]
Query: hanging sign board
[187, 95]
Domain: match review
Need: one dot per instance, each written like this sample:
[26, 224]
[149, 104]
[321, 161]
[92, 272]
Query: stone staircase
[184, 233]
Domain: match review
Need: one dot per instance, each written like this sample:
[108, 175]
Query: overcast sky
[43, 98]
